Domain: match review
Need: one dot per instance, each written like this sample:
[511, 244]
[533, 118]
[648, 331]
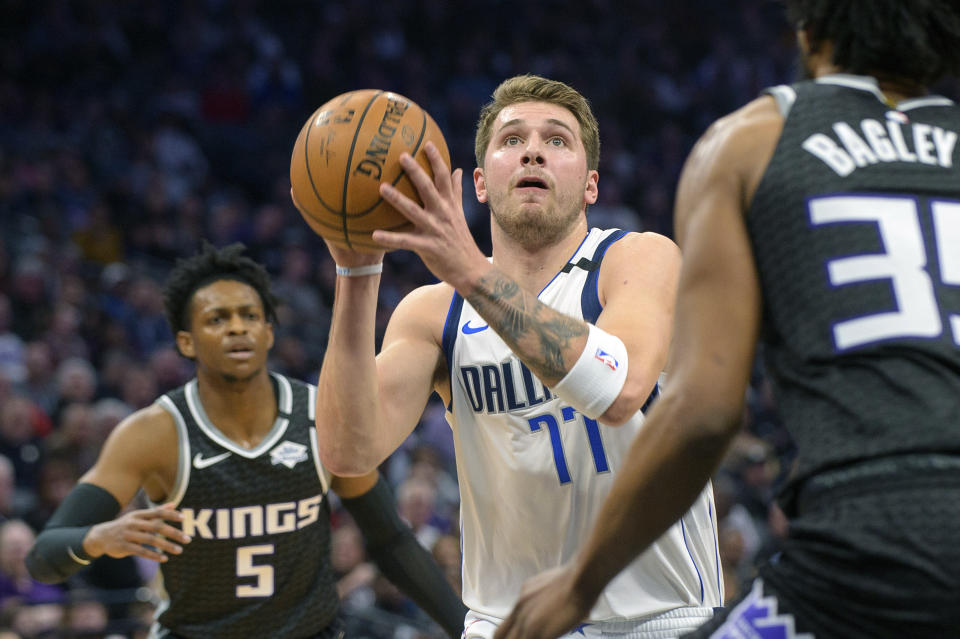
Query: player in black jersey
[243, 532]
[823, 219]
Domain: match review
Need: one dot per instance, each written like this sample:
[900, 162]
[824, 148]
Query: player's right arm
[367, 404]
[85, 525]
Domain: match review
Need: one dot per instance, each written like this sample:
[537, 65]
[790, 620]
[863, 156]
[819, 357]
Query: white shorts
[666, 625]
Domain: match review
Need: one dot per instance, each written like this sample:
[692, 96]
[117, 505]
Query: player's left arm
[396, 551]
[638, 289]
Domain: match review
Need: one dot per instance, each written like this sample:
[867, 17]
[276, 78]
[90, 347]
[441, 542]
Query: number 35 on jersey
[908, 262]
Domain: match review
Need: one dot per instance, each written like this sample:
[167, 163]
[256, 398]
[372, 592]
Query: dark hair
[208, 266]
[913, 40]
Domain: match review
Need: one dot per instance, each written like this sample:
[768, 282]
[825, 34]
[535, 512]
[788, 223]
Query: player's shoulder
[642, 241]
[153, 420]
[423, 309]
[634, 248]
[733, 153]
[427, 300]
[756, 123]
[148, 435]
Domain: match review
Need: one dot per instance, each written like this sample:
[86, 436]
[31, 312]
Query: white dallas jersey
[534, 472]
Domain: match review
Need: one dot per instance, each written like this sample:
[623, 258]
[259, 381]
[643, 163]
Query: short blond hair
[533, 88]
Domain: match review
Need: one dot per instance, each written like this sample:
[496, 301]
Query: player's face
[229, 335]
[535, 176]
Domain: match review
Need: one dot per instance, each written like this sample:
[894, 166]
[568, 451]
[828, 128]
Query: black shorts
[877, 557]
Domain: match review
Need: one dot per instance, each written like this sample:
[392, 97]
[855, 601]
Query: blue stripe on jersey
[449, 338]
[590, 297]
[683, 530]
[557, 274]
[655, 393]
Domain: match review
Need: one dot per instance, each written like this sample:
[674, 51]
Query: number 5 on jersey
[262, 573]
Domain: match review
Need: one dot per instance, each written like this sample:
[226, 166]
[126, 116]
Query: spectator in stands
[16, 538]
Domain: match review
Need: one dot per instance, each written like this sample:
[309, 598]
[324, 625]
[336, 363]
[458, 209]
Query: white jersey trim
[862, 82]
[183, 462]
[926, 101]
[311, 403]
[868, 83]
[284, 405]
[785, 96]
[322, 472]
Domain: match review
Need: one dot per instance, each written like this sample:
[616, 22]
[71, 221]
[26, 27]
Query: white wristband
[359, 271]
[597, 377]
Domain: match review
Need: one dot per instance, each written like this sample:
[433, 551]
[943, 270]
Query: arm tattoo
[536, 333]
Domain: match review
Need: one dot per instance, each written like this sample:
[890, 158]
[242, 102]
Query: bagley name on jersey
[894, 141]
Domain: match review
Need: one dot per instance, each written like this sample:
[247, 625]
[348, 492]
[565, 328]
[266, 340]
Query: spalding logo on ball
[345, 150]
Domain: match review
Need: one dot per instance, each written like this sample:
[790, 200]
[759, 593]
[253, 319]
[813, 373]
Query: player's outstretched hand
[440, 236]
[145, 533]
[547, 608]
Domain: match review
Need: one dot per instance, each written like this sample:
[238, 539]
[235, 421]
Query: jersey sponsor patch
[289, 454]
[757, 617]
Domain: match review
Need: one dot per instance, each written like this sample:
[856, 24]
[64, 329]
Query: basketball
[345, 150]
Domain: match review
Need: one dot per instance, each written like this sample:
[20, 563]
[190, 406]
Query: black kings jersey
[259, 562]
[856, 231]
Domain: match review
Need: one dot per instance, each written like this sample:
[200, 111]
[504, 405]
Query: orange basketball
[345, 150]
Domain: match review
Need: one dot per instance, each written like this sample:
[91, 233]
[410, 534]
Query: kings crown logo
[289, 454]
[756, 617]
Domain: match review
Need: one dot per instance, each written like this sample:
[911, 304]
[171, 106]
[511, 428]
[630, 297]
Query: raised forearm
[348, 407]
[547, 341]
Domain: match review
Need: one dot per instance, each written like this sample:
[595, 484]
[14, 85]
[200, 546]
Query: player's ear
[480, 184]
[591, 192]
[269, 335]
[185, 344]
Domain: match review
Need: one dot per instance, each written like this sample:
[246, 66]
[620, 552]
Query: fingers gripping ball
[345, 150]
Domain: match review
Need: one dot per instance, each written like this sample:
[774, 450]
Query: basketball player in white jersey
[544, 355]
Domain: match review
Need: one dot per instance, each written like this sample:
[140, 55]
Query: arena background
[131, 130]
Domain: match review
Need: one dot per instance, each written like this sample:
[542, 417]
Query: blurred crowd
[131, 130]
